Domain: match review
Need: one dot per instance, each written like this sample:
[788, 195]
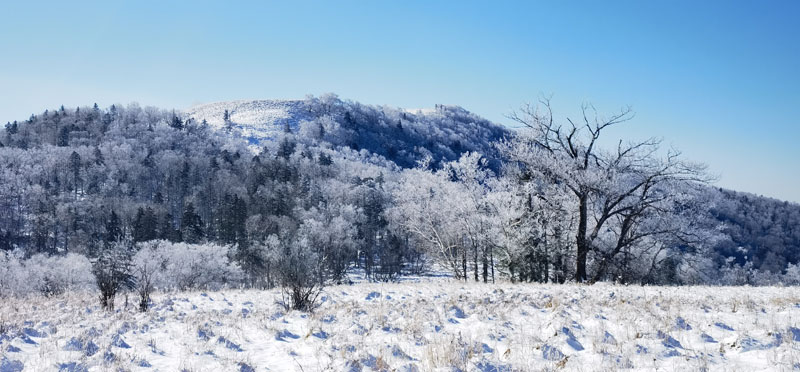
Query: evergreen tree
[63, 137]
[286, 148]
[113, 228]
[226, 118]
[98, 156]
[325, 160]
[75, 169]
[145, 225]
[191, 225]
[11, 128]
[168, 230]
[232, 221]
[176, 122]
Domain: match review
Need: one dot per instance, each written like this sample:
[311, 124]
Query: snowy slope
[439, 325]
[256, 119]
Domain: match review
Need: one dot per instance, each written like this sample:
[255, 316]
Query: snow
[423, 111]
[430, 324]
[255, 119]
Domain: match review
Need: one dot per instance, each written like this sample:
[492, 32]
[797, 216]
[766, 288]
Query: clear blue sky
[718, 80]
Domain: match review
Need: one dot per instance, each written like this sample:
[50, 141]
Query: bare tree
[614, 192]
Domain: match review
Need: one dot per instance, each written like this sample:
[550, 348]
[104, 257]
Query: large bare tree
[622, 199]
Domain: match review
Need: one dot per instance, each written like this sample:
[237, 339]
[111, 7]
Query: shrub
[48, 275]
[113, 272]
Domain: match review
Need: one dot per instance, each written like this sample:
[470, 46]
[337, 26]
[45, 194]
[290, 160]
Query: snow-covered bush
[56, 274]
[11, 278]
[298, 274]
[148, 264]
[169, 266]
[48, 275]
[112, 270]
[792, 276]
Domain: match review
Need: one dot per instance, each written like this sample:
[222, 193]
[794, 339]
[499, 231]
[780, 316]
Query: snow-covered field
[431, 325]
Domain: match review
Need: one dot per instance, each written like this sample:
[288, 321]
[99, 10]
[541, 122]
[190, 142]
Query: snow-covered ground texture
[255, 119]
[436, 325]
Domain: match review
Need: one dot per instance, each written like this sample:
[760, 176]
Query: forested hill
[270, 178]
[75, 179]
[403, 136]
[763, 232]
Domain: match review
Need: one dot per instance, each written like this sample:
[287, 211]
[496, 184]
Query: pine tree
[75, 169]
[232, 221]
[145, 225]
[176, 122]
[191, 225]
[325, 160]
[63, 137]
[11, 128]
[113, 229]
[286, 148]
[168, 231]
[226, 118]
[98, 156]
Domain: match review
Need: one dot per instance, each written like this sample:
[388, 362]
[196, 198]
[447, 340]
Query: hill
[75, 180]
[404, 137]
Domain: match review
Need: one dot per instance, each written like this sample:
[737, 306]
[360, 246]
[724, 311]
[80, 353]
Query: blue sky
[717, 80]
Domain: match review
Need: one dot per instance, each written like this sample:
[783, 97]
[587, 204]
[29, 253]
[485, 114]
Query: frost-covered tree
[623, 199]
[148, 264]
[531, 228]
[113, 272]
[446, 212]
[425, 204]
[299, 272]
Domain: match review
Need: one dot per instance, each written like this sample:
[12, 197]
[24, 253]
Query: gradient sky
[718, 80]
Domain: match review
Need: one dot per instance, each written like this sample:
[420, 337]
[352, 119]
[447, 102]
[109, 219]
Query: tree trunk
[464, 264]
[580, 240]
[491, 261]
[475, 259]
[485, 262]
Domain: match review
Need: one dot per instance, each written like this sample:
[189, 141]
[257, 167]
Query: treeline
[383, 190]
